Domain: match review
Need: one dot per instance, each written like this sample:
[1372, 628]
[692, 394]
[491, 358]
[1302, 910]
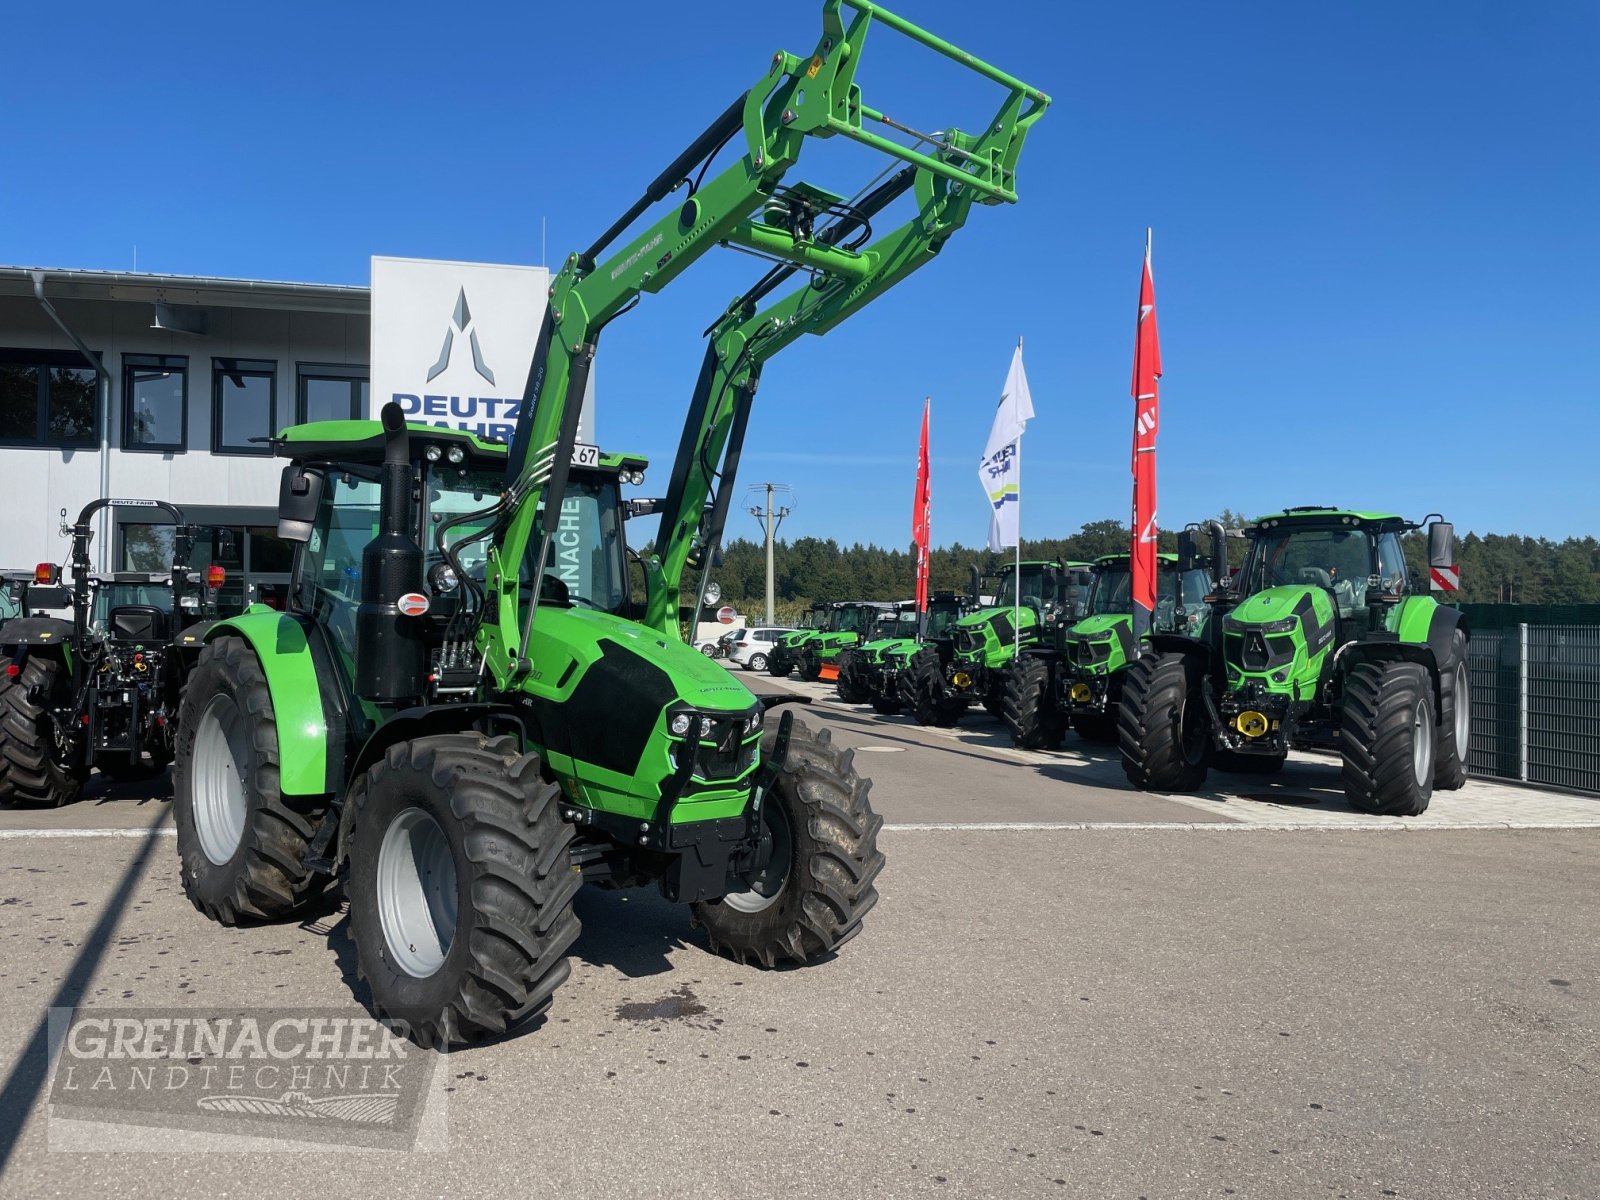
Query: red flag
[922, 514]
[1146, 421]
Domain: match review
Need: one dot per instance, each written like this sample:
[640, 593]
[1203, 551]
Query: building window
[244, 395]
[330, 392]
[155, 402]
[47, 399]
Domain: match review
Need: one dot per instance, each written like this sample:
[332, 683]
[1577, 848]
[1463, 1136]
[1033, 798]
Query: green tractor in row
[1324, 640]
[785, 653]
[99, 690]
[851, 623]
[1073, 679]
[883, 663]
[943, 679]
[464, 714]
[893, 626]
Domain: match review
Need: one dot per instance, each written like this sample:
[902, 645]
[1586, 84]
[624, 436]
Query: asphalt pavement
[1067, 989]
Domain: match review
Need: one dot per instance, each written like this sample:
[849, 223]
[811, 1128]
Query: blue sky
[1375, 234]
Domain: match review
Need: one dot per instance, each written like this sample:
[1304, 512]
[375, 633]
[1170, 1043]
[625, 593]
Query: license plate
[585, 456]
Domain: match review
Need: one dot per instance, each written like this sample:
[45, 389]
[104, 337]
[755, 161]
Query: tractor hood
[987, 637]
[1279, 638]
[878, 651]
[656, 666]
[1100, 644]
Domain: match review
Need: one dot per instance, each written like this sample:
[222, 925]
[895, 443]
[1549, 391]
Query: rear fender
[35, 631]
[306, 702]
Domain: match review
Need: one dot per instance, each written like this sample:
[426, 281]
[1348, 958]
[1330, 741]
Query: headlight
[680, 724]
[754, 723]
[455, 454]
[1283, 625]
[432, 453]
[443, 579]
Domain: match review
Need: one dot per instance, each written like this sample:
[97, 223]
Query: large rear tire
[1161, 723]
[820, 883]
[1029, 711]
[33, 770]
[460, 885]
[241, 845]
[852, 688]
[1455, 717]
[922, 690]
[1388, 738]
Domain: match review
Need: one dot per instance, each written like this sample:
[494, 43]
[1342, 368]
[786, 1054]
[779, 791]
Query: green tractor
[465, 734]
[785, 653]
[856, 663]
[943, 678]
[1074, 679]
[1323, 640]
[100, 690]
[885, 663]
[850, 623]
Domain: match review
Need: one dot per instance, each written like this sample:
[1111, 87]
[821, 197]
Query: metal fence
[1536, 705]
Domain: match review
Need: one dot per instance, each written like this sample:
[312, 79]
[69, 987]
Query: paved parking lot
[1067, 989]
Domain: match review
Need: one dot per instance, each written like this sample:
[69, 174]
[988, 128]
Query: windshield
[588, 551]
[1113, 592]
[1035, 588]
[117, 595]
[851, 620]
[1320, 557]
[941, 619]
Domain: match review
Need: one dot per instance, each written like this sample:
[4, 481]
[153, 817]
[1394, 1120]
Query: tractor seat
[138, 623]
[1316, 575]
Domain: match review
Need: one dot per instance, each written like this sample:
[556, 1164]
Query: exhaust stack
[391, 657]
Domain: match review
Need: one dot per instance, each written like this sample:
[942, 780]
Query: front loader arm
[798, 97]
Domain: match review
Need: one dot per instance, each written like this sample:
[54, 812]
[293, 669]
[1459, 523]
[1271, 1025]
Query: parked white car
[751, 647]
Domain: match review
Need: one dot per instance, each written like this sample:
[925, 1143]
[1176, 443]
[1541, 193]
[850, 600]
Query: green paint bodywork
[279, 641]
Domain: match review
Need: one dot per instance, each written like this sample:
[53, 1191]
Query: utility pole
[770, 519]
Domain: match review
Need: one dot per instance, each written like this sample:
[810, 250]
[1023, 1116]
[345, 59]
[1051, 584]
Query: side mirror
[1441, 544]
[299, 495]
[1188, 549]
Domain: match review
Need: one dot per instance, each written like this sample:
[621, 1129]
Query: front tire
[922, 690]
[1029, 710]
[32, 769]
[810, 668]
[460, 886]
[1455, 717]
[852, 689]
[241, 845]
[820, 884]
[1161, 724]
[1388, 738]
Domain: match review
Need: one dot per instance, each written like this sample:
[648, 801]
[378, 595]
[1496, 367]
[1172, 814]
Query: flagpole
[1016, 590]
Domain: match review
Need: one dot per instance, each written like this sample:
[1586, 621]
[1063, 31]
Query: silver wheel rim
[1422, 743]
[759, 662]
[775, 821]
[220, 794]
[416, 882]
[1463, 712]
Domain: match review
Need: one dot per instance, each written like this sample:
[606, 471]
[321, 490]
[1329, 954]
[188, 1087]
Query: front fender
[300, 700]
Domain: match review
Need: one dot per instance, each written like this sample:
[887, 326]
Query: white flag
[1000, 473]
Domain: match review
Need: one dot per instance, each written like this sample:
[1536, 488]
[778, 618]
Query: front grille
[1252, 650]
[723, 752]
[1089, 652]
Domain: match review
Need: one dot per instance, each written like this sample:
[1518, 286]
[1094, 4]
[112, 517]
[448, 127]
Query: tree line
[1494, 567]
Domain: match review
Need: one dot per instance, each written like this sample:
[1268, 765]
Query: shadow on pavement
[632, 931]
[28, 1076]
